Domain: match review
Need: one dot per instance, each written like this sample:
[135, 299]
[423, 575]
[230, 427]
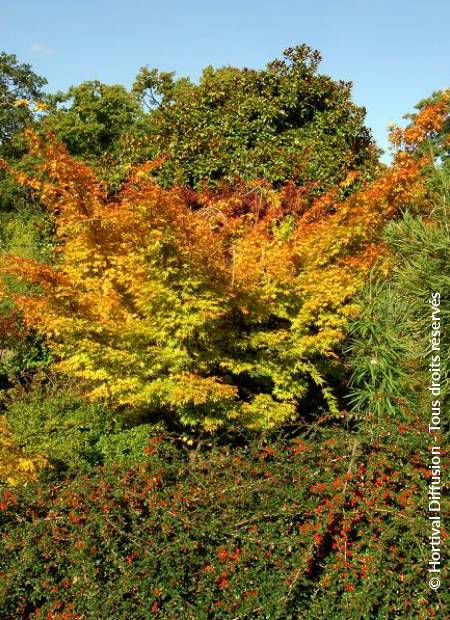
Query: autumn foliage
[264, 277]
[211, 306]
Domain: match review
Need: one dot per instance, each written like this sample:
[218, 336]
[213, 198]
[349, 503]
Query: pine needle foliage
[390, 348]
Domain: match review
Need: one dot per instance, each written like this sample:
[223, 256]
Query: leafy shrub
[126, 446]
[16, 466]
[325, 526]
[73, 435]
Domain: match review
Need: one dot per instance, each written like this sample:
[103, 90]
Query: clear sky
[395, 52]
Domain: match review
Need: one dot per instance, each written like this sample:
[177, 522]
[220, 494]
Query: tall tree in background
[285, 122]
[100, 124]
[19, 87]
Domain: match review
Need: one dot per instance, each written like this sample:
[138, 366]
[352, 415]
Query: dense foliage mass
[210, 313]
[20, 87]
[323, 527]
[285, 122]
[390, 350]
[197, 282]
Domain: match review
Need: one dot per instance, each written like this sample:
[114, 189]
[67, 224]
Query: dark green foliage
[96, 121]
[20, 88]
[285, 122]
[17, 83]
[23, 352]
[324, 527]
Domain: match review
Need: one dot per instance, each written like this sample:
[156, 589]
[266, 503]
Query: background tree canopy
[284, 122]
[96, 121]
[19, 86]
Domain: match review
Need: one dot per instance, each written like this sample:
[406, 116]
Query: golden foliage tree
[210, 307]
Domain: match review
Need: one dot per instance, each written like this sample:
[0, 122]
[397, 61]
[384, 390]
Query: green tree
[23, 226]
[19, 87]
[285, 122]
[102, 124]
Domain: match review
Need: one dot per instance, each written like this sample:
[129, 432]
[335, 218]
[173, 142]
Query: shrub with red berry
[329, 525]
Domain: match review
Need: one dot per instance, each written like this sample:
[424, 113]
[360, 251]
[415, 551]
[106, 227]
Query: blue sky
[394, 51]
